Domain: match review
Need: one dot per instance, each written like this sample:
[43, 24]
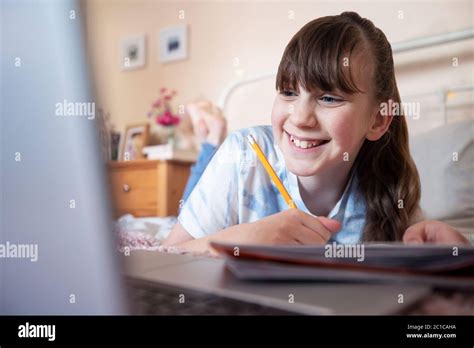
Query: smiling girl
[347, 167]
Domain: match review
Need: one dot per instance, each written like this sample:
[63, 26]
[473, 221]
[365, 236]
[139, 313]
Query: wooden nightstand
[146, 187]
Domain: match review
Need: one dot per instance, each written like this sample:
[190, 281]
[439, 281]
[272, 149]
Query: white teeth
[302, 143]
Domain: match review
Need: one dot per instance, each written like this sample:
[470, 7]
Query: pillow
[444, 157]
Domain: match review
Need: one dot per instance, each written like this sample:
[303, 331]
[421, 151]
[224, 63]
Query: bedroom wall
[256, 33]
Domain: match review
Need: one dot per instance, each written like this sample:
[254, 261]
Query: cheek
[342, 130]
[279, 115]
[346, 130]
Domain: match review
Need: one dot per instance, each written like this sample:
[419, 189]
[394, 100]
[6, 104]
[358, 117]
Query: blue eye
[288, 93]
[329, 99]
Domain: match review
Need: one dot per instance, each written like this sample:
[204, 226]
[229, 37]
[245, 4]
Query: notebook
[437, 264]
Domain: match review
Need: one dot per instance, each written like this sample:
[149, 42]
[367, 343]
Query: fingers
[316, 224]
[331, 224]
[306, 235]
[433, 232]
[439, 232]
[415, 234]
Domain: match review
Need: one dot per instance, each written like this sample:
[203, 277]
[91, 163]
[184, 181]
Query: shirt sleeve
[207, 151]
[213, 203]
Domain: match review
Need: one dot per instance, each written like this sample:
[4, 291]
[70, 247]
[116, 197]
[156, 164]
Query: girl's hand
[433, 232]
[291, 226]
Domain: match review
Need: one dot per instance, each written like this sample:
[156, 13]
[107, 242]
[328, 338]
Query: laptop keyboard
[156, 299]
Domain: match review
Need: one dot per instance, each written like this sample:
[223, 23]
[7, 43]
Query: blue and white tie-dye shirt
[235, 189]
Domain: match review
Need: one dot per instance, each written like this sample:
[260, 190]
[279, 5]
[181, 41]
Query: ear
[381, 119]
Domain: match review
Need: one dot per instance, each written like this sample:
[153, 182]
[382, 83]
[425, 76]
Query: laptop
[59, 251]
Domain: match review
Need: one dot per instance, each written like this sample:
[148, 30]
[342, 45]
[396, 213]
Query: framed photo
[135, 138]
[173, 44]
[132, 52]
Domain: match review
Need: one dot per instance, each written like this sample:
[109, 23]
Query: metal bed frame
[405, 46]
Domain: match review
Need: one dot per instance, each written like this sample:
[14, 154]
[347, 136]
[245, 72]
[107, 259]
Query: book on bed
[360, 262]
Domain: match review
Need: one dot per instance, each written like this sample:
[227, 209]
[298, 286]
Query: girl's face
[325, 130]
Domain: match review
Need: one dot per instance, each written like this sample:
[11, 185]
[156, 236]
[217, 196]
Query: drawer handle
[126, 188]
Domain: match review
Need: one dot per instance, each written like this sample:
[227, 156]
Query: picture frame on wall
[133, 52]
[173, 44]
[135, 138]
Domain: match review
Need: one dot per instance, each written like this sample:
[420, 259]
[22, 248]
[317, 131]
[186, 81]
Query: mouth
[305, 144]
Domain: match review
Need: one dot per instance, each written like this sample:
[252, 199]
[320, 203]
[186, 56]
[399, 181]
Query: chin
[302, 169]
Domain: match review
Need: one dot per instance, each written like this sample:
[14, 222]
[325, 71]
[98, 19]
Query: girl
[346, 165]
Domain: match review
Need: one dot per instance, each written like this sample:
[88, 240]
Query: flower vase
[171, 136]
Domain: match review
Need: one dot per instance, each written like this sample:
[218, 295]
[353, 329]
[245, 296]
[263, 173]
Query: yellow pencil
[270, 171]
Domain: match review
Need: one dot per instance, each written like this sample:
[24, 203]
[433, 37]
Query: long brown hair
[387, 175]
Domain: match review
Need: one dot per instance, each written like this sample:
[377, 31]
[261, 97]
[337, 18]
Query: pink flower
[161, 110]
[167, 119]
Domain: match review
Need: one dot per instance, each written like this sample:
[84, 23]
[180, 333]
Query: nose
[303, 115]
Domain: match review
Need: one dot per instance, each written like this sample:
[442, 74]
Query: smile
[305, 143]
